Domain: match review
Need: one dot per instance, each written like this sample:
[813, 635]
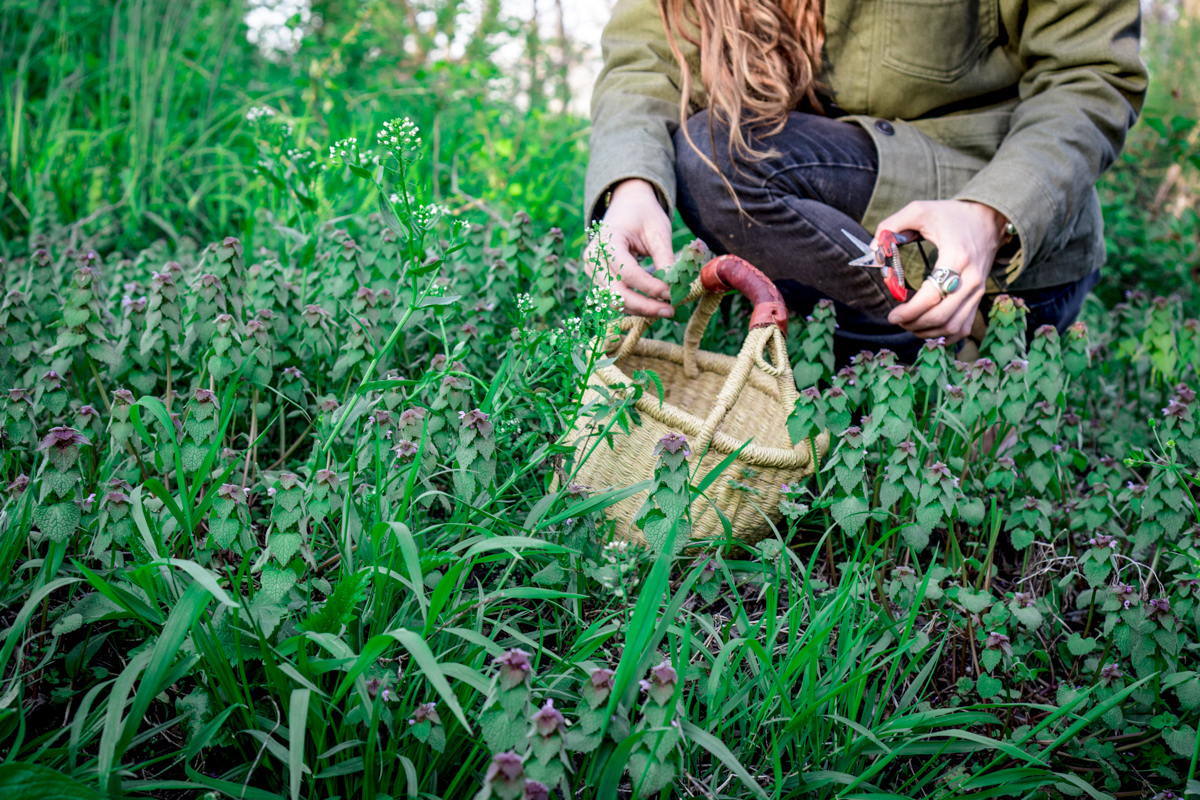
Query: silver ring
[946, 280]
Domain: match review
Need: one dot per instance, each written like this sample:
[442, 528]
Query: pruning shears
[886, 256]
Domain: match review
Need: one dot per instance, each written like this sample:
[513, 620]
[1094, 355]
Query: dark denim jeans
[794, 206]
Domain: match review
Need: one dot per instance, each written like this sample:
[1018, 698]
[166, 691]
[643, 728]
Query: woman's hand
[635, 225]
[967, 236]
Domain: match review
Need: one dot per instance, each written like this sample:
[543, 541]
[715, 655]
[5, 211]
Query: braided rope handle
[768, 328]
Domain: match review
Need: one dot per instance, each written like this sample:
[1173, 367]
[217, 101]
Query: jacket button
[884, 127]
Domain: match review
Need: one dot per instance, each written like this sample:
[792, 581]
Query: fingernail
[666, 312]
[665, 296]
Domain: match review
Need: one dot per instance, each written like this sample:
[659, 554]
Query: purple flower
[548, 721]
[984, 366]
[536, 790]
[477, 421]
[63, 439]
[233, 243]
[998, 641]
[660, 685]
[1025, 599]
[405, 448]
[233, 492]
[672, 443]
[852, 436]
[292, 373]
[508, 771]
[124, 396]
[1110, 673]
[935, 344]
[426, 711]
[940, 472]
[955, 391]
[116, 498]
[1185, 393]
[1175, 409]
[1102, 540]
[1018, 366]
[203, 396]
[515, 668]
[1137, 489]
[329, 479]
[1158, 608]
[18, 485]
[314, 315]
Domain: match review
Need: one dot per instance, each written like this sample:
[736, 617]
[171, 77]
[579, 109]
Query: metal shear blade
[868, 258]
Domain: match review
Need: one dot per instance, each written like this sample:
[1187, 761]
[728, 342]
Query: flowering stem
[253, 437]
[99, 385]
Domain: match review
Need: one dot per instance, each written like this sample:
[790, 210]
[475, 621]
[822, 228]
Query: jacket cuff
[596, 203]
[613, 160]
[1020, 194]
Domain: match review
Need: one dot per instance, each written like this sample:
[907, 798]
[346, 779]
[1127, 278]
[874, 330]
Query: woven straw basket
[717, 401]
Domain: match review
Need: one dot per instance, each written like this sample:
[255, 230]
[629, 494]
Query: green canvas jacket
[1019, 104]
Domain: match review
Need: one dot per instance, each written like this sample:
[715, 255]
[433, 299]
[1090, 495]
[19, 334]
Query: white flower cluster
[426, 216]
[572, 328]
[599, 298]
[524, 303]
[346, 149]
[259, 112]
[400, 135]
[305, 159]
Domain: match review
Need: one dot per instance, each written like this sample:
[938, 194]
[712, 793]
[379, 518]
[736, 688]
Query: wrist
[632, 187]
[999, 229]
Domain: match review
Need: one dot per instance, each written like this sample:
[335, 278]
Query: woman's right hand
[635, 225]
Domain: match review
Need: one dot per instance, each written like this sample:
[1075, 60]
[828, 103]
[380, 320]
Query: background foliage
[288, 514]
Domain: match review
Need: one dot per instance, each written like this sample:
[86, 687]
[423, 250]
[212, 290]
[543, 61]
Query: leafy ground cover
[292, 517]
[287, 510]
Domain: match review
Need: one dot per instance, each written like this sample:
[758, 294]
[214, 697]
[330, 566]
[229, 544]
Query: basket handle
[733, 272]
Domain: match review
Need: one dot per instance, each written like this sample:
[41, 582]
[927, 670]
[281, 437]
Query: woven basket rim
[754, 454]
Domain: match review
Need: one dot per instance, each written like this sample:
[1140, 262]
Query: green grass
[292, 515]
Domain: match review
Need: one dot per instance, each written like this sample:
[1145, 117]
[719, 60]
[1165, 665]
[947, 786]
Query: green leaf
[1080, 646]
[298, 727]
[1181, 740]
[988, 686]
[22, 781]
[57, 521]
[850, 513]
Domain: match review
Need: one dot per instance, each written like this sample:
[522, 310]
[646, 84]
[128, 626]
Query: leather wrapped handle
[732, 272]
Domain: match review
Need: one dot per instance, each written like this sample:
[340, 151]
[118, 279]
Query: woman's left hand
[967, 236]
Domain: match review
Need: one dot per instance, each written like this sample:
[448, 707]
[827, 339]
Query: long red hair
[759, 59]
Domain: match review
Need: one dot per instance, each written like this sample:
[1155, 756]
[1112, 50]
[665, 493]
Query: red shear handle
[731, 272]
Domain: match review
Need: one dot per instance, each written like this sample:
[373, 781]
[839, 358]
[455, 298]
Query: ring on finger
[946, 280]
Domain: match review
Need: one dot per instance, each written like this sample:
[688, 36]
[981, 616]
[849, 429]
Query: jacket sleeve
[635, 107]
[1082, 87]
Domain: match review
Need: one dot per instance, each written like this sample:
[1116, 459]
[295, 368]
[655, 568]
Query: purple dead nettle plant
[506, 711]
[229, 519]
[655, 760]
[60, 505]
[547, 734]
[426, 725]
[505, 777]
